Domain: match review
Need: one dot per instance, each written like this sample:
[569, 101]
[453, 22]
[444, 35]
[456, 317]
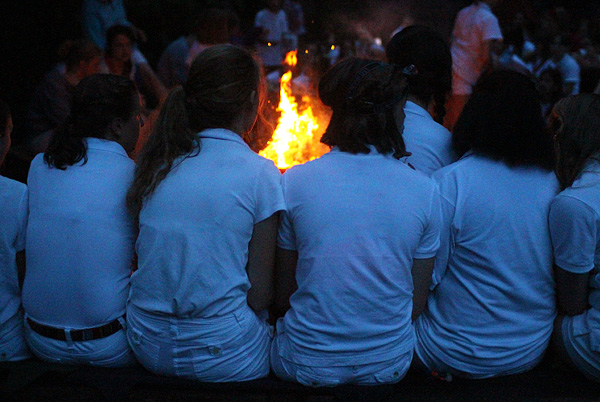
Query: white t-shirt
[195, 229]
[13, 221]
[357, 222]
[575, 230]
[474, 25]
[494, 303]
[570, 71]
[80, 239]
[276, 24]
[429, 142]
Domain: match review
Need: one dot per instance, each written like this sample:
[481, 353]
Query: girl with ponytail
[207, 211]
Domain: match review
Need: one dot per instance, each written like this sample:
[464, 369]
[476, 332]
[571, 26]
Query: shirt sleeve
[430, 241]
[286, 237]
[269, 196]
[490, 29]
[573, 230]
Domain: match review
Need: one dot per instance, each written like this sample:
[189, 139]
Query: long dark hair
[575, 122]
[503, 121]
[219, 89]
[430, 54]
[97, 101]
[4, 115]
[363, 95]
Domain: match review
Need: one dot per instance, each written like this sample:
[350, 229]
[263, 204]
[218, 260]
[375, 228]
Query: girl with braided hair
[356, 244]
[429, 143]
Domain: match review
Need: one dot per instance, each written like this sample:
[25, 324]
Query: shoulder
[10, 186]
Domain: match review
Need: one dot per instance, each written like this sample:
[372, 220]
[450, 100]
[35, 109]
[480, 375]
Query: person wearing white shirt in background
[575, 230]
[80, 235]
[356, 244]
[274, 26]
[13, 221]
[207, 207]
[428, 142]
[476, 39]
[493, 305]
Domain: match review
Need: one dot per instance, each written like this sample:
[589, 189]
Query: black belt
[86, 334]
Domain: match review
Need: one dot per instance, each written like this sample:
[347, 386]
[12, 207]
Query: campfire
[296, 137]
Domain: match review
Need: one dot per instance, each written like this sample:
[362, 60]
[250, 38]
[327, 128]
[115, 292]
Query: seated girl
[13, 221]
[80, 236]
[575, 231]
[491, 313]
[207, 208]
[356, 245]
[428, 142]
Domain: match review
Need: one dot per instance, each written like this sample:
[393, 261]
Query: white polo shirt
[80, 239]
[494, 304]
[429, 142]
[195, 229]
[575, 230]
[13, 221]
[276, 24]
[357, 222]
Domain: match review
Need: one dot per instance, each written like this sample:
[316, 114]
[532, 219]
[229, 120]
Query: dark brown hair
[430, 54]
[363, 95]
[503, 121]
[97, 101]
[218, 90]
[575, 122]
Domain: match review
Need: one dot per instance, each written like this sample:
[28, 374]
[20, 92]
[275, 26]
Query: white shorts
[582, 344]
[378, 373]
[12, 340]
[233, 347]
[111, 351]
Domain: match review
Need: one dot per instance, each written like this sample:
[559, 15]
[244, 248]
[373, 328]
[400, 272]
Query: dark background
[31, 30]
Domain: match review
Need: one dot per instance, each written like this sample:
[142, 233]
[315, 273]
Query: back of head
[220, 84]
[503, 120]
[575, 123]
[224, 87]
[363, 95]
[427, 50]
[74, 51]
[97, 101]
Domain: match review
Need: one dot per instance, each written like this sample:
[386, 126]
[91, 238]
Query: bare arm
[285, 279]
[572, 291]
[261, 261]
[152, 82]
[421, 276]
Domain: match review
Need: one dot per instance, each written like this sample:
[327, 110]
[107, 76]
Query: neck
[115, 66]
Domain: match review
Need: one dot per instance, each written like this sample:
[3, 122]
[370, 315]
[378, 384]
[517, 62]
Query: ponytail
[170, 139]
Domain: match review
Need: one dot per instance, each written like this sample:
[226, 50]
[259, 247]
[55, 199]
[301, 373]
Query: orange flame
[295, 139]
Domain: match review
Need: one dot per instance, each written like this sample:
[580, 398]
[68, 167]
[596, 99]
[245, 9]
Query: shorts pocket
[317, 377]
[145, 350]
[392, 374]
